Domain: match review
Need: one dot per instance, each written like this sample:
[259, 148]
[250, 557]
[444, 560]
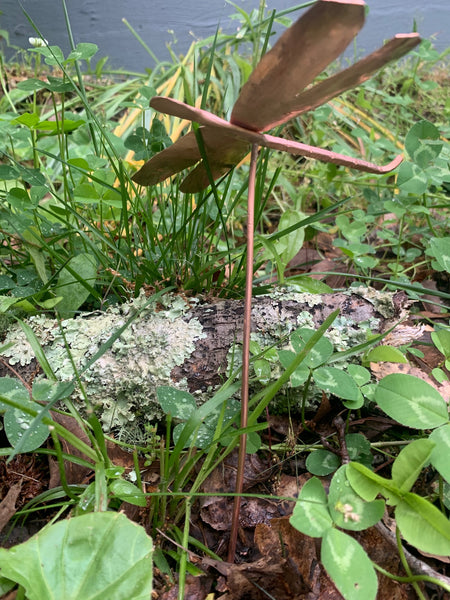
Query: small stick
[245, 351]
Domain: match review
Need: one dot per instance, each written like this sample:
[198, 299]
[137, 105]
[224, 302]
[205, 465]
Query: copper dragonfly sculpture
[272, 96]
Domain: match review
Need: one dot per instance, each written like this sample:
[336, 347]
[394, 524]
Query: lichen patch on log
[185, 345]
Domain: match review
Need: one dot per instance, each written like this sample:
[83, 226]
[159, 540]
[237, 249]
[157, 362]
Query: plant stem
[245, 351]
[185, 551]
[406, 565]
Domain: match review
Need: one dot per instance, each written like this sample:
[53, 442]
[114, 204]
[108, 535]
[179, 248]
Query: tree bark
[223, 321]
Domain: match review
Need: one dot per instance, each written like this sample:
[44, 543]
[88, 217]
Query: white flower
[37, 42]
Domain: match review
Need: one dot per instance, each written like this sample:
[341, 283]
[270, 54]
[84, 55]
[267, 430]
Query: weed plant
[77, 234]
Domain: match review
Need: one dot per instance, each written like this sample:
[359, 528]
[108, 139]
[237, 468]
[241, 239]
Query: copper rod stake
[245, 351]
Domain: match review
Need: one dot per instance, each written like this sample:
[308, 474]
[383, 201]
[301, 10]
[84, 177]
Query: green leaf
[83, 51]
[205, 433]
[6, 585]
[262, 370]
[348, 566]
[322, 462]
[8, 172]
[311, 515]
[309, 285]
[317, 355]
[411, 178]
[410, 462]
[28, 119]
[176, 402]
[423, 143]
[360, 374]
[74, 293]
[16, 422]
[358, 448]
[439, 248]
[368, 484]
[411, 401]
[290, 244]
[337, 382]
[127, 492]
[53, 55]
[13, 389]
[423, 525]
[54, 127]
[44, 390]
[386, 354]
[347, 509]
[301, 373]
[441, 451]
[6, 302]
[90, 557]
[441, 337]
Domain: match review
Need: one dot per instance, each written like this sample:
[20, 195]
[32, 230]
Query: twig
[417, 566]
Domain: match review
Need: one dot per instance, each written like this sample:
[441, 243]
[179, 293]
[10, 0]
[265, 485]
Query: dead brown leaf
[380, 370]
[8, 504]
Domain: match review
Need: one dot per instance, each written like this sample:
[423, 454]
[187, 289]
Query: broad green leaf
[6, 302]
[411, 178]
[439, 374]
[410, 462]
[423, 525]
[423, 143]
[83, 51]
[14, 389]
[176, 402]
[127, 492]
[441, 337]
[28, 119]
[301, 373]
[358, 448]
[6, 585]
[310, 285]
[262, 370]
[90, 557]
[337, 382]
[317, 355]
[204, 435]
[311, 515]
[73, 292]
[360, 374]
[31, 85]
[290, 244]
[348, 566]
[439, 248]
[368, 484]
[53, 55]
[7, 172]
[440, 456]
[411, 401]
[322, 462]
[54, 127]
[44, 390]
[386, 354]
[347, 509]
[85, 192]
[16, 422]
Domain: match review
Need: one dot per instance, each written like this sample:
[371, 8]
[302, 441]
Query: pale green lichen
[381, 301]
[122, 382]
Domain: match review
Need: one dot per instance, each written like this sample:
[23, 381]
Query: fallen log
[184, 343]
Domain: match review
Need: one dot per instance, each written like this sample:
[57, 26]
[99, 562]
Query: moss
[122, 382]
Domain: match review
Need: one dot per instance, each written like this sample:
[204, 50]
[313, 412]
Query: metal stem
[245, 351]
